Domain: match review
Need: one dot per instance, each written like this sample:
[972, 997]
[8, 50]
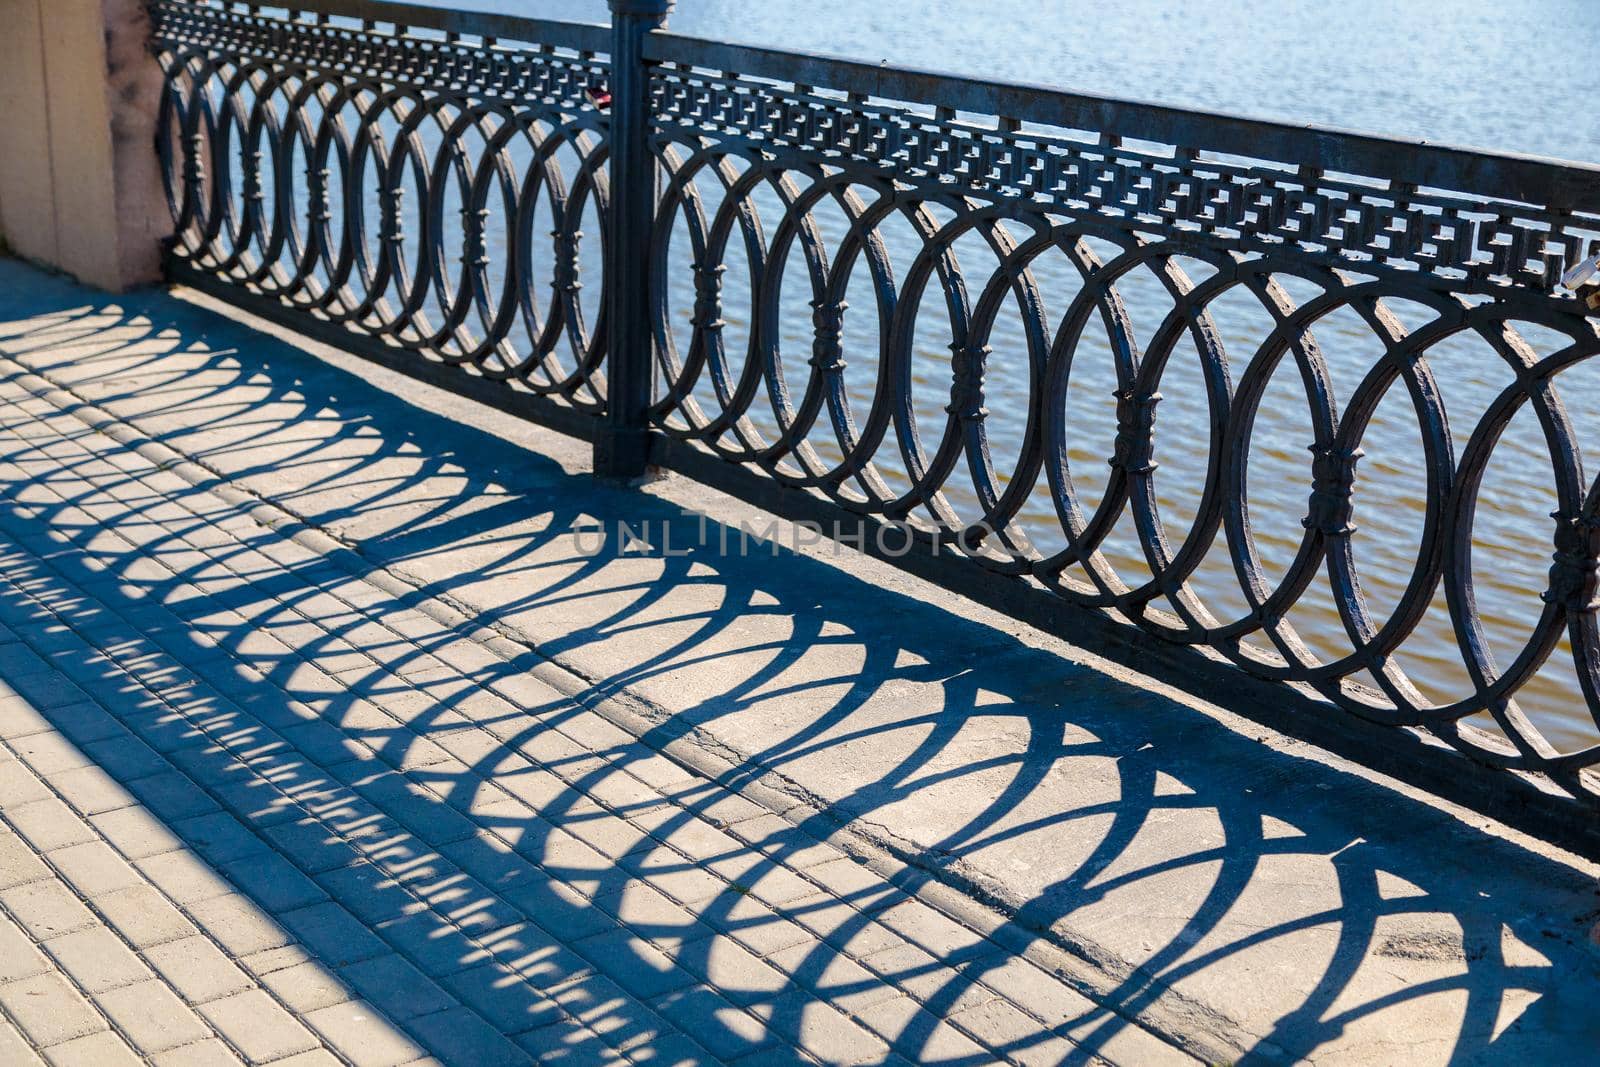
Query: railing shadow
[1273, 903]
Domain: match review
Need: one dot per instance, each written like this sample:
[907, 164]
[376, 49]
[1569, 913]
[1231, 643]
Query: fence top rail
[580, 36]
[1559, 184]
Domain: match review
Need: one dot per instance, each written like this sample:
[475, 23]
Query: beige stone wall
[26, 197]
[80, 186]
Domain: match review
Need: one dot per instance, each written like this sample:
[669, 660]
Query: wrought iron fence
[315, 161]
[426, 187]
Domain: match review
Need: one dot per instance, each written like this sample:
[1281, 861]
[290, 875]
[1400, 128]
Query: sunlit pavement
[324, 734]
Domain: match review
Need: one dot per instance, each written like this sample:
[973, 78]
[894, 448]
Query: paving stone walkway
[258, 807]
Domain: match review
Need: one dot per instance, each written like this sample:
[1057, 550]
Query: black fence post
[622, 447]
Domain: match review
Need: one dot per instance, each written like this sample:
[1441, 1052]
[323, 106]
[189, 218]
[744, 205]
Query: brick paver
[256, 804]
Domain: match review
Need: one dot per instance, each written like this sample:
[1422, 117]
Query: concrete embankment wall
[80, 183]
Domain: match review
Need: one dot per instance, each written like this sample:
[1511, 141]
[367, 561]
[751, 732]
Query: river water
[1515, 76]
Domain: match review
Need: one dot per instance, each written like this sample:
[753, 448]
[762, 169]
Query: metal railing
[425, 187]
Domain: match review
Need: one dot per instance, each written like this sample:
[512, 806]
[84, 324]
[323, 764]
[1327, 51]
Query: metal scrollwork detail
[1575, 566]
[1134, 452]
[1332, 507]
[827, 347]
